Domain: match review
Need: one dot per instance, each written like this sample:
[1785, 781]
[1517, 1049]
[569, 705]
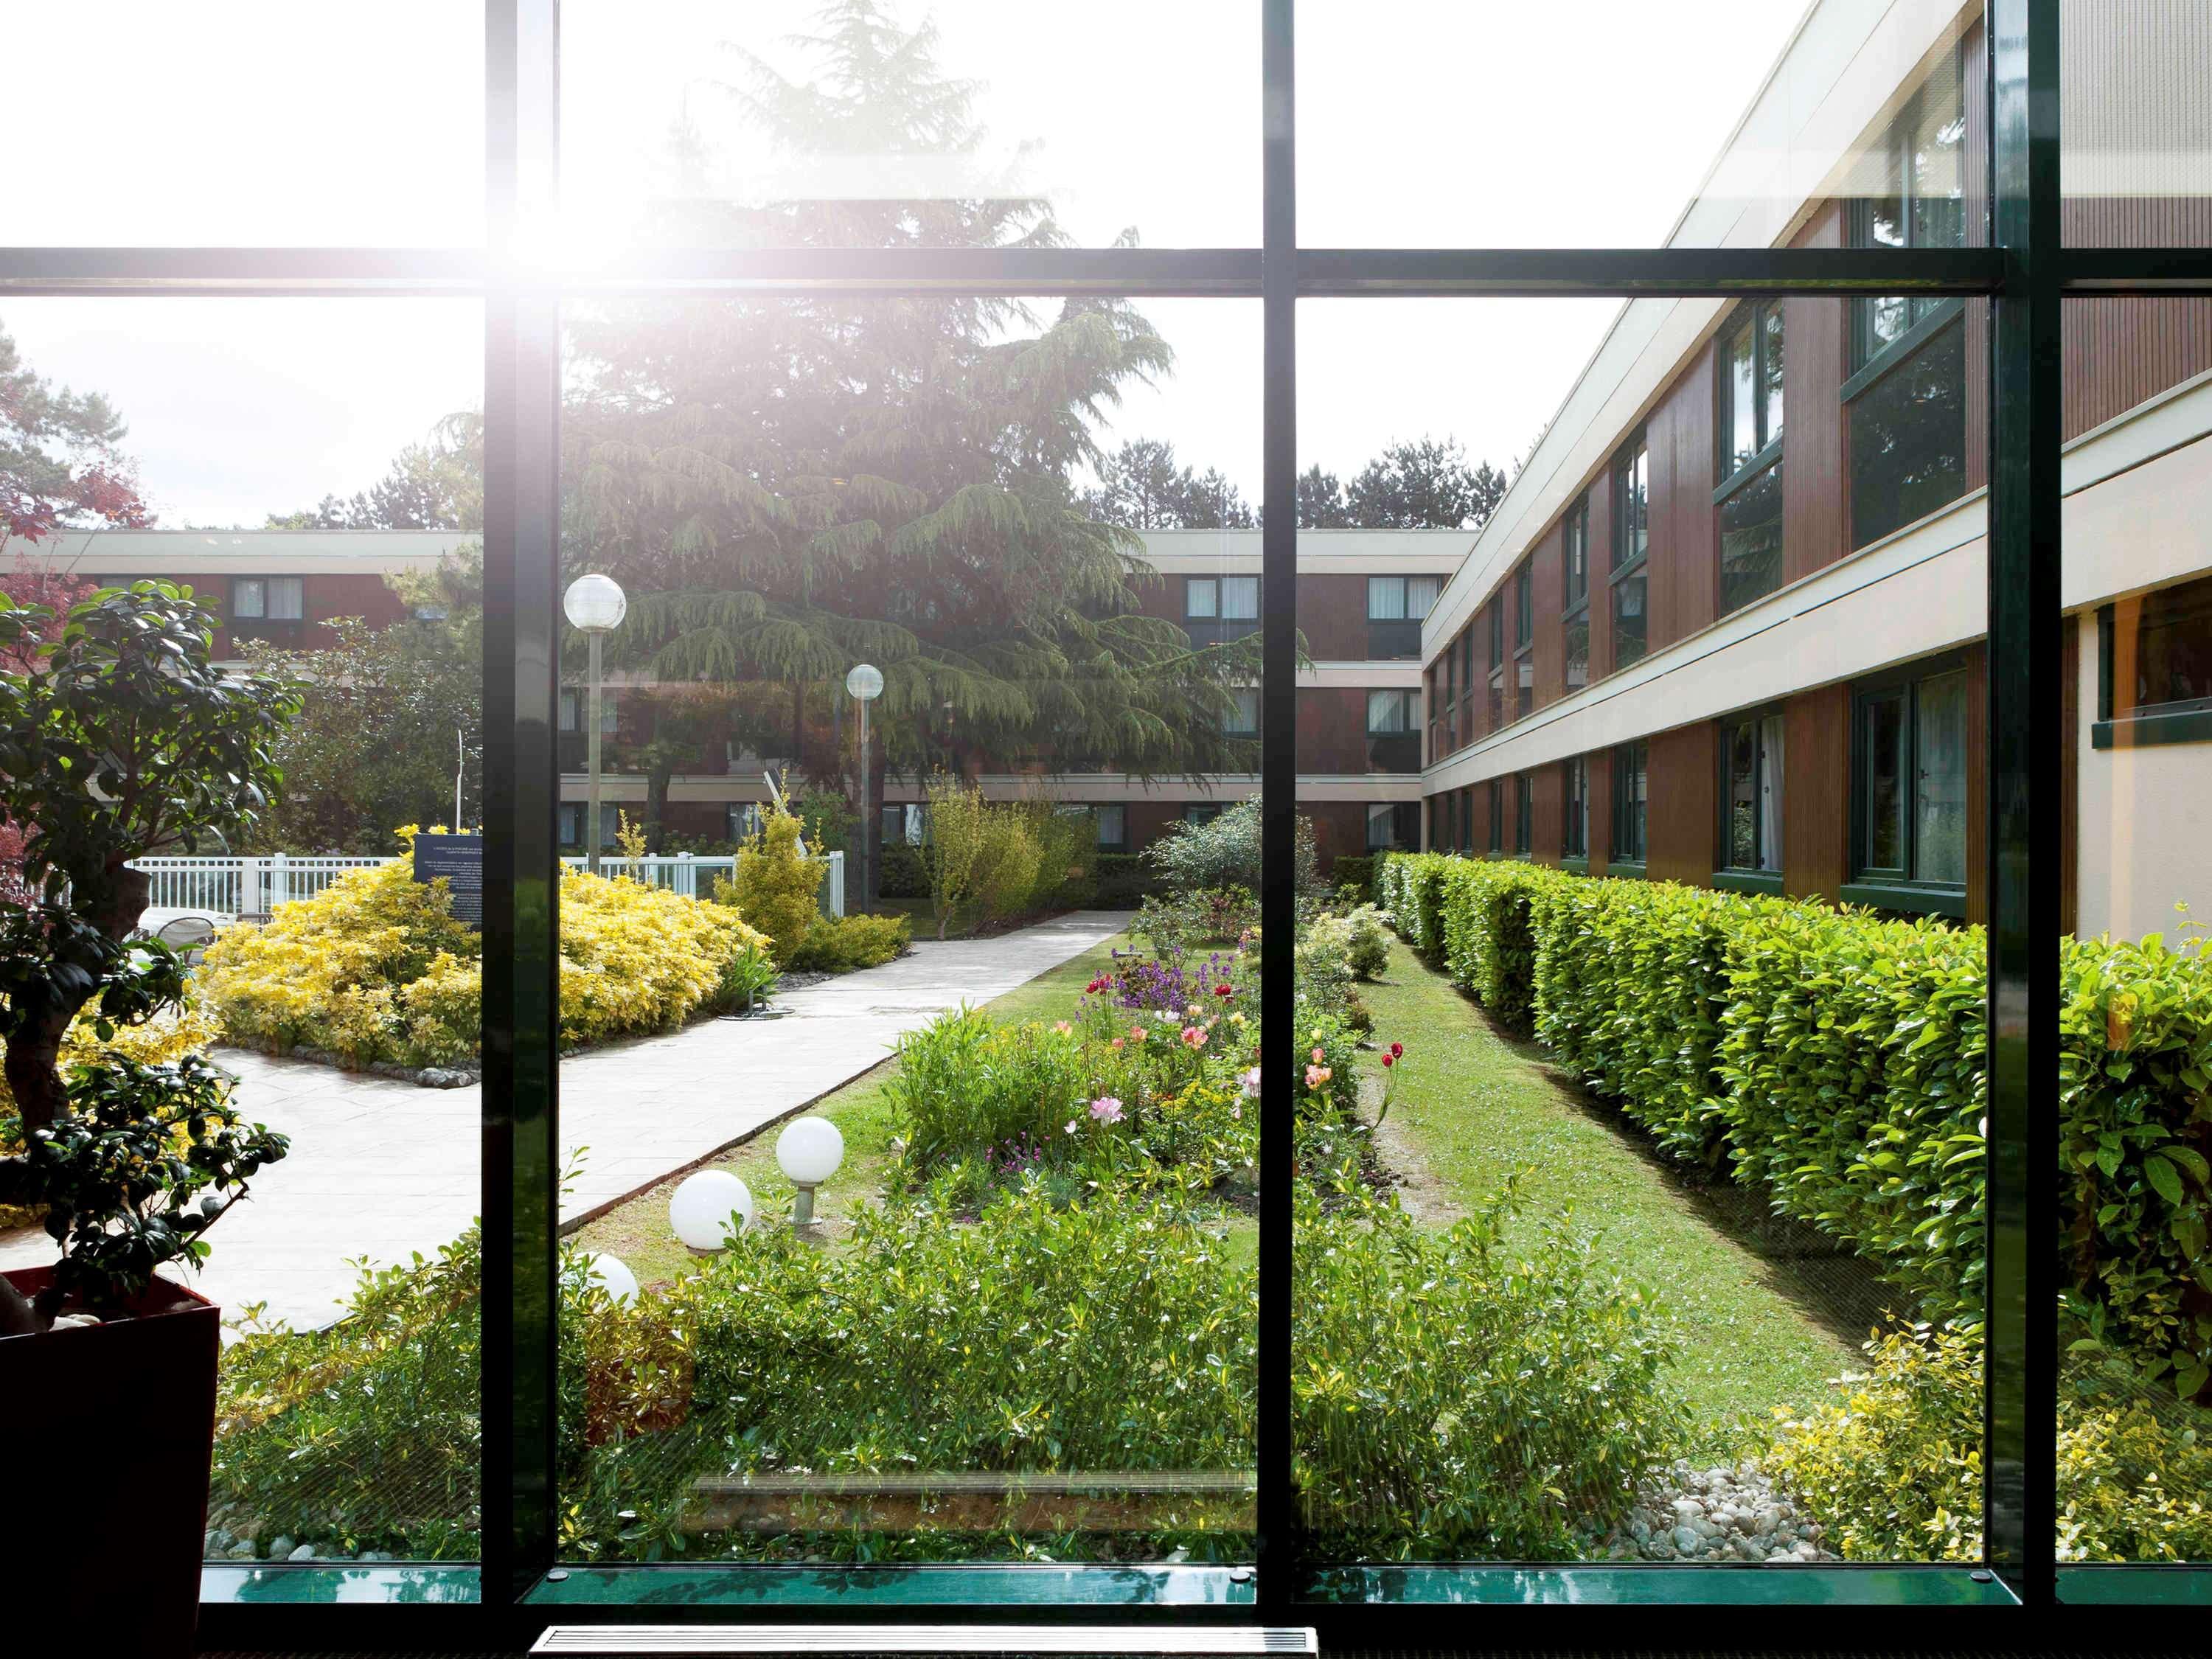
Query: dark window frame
[2139, 725]
[1573, 588]
[1629, 561]
[1524, 814]
[1497, 817]
[1574, 809]
[1897, 887]
[1758, 877]
[1623, 804]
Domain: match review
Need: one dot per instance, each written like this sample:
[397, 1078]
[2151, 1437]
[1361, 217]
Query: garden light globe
[610, 1275]
[708, 1207]
[865, 683]
[810, 1151]
[594, 603]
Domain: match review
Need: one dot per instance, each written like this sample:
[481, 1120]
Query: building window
[1240, 599]
[1466, 821]
[1631, 782]
[2155, 667]
[1497, 665]
[1112, 818]
[1574, 818]
[1750, 489]
[1524, 607]
[1525, 813]
[1243, 719]
[1751, 794]
[1908, 435]
[575, 699]
[1497, 804]
[1443, 831]
[268, 598]
[742, 821]
[571, 823]
[1394, 825]
[1401, 598]
[906, 825]
[1631, 547]
[1909, 786]
[1203, 811]
[1392, 711]
[1201, 598]
[1574, 559]
[1916, 199]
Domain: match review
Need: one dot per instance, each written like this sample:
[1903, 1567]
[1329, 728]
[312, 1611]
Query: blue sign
[459, 861]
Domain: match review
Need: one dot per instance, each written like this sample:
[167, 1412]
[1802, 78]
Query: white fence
[255, 886]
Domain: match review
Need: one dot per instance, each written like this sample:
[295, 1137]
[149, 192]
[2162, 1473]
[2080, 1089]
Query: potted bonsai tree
[118, 737]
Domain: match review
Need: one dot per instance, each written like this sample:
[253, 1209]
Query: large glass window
[1750, 456]
[1631, 781]
[1574, 787]
[1910, 789]
[1401, 598]
[2155, 666]
[1751, 794]
[1908, 433]
[1916, 198]
[1632, 545]
[1524, 812]
[1574, 559]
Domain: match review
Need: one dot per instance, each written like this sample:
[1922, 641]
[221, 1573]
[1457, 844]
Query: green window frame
[1747, 447]
[1631, 581]
[1910, 821]
[1750, 801]
[1631, 784]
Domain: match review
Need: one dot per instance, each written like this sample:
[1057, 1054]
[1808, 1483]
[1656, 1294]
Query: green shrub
[904, 874]
[777, 886]
[1370, 943]
[1357, 873]
[980, 853]
[1124, 881]
[966, 1085]
[1224, 850]
[1893, 1466]
[839, 945]
[1204, 915]
[1463, 1396]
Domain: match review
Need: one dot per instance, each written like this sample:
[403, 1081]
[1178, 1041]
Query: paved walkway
[383, 1169]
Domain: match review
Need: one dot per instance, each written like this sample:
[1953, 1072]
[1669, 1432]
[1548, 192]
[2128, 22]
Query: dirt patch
[1398, 1161]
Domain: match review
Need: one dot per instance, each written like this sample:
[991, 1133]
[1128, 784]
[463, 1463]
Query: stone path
[383, 1169]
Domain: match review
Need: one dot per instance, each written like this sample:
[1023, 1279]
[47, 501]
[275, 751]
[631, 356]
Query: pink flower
[1071, 1125]
[1115, 1045]
[1251, 1081]
[1317, 1075]
[1061, 1027]
[1236, 1112]
[1317, 1056]
[1106, 1110]
[1136, 1034]
[1194, 1036]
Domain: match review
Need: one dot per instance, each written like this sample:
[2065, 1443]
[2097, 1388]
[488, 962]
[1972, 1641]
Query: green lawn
[637, 1230]
[1761, 1327]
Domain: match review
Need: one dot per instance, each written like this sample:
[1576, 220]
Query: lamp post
[595, 604]
[808, 1153]
[866, 684]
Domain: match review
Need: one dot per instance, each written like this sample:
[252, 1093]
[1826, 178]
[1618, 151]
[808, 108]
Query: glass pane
[1701, 123]
[1386, 598]
[1742, 803]
[1750, 541]
[1577, 632]
[1630, 623]
[1908, 439]
[315, 944]
[993, 1299]
[967, 123]
[1771, 363]
[1940, 780]
[1883, 735]
[2136, 123]
[2134, 1413]
[1740, 390]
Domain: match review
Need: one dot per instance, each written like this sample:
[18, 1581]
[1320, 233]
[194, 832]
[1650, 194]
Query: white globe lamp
[865, 682]
[808, 1153]
[611, 1275]
[595, 603]
[708, 1207]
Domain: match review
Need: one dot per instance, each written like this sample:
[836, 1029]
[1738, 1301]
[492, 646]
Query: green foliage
[776, 885]
[1370, 942]
[905, 873]
[838, 945]
[1837, 1060]
[1464, 1396]
[749, 975]
[381, 709]
[1224, 851]
[1067, 852]
[980, 853]
[1125, 880]
[1355, 872]
[1893, 1464]
[1185, 917]
[363, 1435]
[117, 736]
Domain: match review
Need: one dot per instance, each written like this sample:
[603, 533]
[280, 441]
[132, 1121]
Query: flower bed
[375, 969]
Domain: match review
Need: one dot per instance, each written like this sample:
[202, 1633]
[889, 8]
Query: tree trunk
[33, 1067]
[656, 803]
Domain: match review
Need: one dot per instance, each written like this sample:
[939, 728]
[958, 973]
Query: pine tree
[1140, 487]
[787, 487]
[61, 464]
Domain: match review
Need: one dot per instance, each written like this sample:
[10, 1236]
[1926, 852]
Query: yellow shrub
[375, 967]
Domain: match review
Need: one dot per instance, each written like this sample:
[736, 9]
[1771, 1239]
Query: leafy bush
[1837, 1059]
[978, 852]
[776, 885]
[1355, 873]
[839, 944]
[1370, 943]
[1206, 915]
[1067, 852]
[1125, 880]
[374, 967]
[1224, 850]
[1893, 1466]
[904, 874]
[1474, 1398]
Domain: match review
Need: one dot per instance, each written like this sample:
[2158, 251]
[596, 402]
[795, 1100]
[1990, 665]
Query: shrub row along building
[1725, 626]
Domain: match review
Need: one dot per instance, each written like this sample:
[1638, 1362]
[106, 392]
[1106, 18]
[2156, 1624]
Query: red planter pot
[111, 1427]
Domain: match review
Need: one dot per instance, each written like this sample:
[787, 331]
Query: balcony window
[2154, 657]
[1201, 598]
[1751, 795]
[1631, 787]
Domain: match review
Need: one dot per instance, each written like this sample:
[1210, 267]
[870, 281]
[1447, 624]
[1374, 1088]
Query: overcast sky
[1422, 123]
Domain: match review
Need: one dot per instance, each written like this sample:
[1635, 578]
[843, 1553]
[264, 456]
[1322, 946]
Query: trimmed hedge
[1356, 871]
[1839, 1059]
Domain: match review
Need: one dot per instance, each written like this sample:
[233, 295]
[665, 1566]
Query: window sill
[1748, 881]
[1574, 864]
[1627, 869]
[1917, 900]
[2153, 729]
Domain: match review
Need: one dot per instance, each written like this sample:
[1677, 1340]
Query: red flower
[1390, 1061]
[1224, 990]
[1396, 1049]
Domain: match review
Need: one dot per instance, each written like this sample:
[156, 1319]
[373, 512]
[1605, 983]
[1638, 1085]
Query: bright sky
[1423, 123]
